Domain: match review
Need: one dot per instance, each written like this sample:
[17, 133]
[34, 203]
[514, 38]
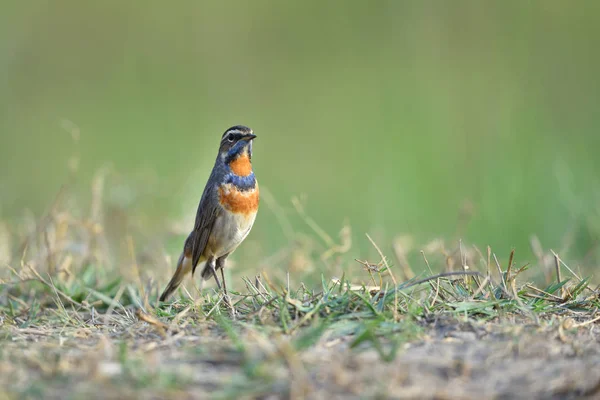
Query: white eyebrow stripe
[232, 131]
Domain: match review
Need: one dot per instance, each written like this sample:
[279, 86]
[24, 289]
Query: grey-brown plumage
[226, 211]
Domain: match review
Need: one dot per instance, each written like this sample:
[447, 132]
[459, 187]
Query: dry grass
[73, 327]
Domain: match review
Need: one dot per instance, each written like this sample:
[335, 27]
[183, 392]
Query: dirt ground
[474, 361]
[450, 359]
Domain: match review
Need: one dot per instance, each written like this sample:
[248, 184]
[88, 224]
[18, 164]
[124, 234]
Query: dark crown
[241, 129]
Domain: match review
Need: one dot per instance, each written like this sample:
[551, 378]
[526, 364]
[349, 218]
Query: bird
[226, 212]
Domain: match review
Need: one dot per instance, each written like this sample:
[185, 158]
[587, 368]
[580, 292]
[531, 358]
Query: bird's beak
[249, 137]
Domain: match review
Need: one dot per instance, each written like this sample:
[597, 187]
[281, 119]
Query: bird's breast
[233, 198]
[229, 230]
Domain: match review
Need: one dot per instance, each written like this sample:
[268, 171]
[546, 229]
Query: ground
[342, 342]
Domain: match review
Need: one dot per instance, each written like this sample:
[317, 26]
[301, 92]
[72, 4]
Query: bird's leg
[211, 265]
[227, 299]
[221, 266]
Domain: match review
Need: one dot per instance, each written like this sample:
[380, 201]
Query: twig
[49, 260]
[558, 275]
[391, 275]
[160, 326]
[480, 288]
[262, 306]
[488, 269]
[463, 259]
[566, 266]
[369, 267]
[308, 315]
[32, 331]
[591, 321]
[443, 275]
[437, 285]
[510, 261]
[501, 274]
[426, 262]
[51, 286]
[114, 303]
[543, 292]
[535, 296]
[262, 286]
[437, 291]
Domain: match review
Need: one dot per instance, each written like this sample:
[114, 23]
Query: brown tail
[184, 265]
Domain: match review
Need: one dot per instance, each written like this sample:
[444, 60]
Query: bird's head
[236, 146]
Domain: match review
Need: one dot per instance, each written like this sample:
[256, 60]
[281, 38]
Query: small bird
[226, 212]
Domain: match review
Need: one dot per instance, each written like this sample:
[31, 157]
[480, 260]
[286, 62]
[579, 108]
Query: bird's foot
[230, 306]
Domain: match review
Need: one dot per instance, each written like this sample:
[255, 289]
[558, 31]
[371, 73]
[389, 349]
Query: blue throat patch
[237, 149]
[241, 182]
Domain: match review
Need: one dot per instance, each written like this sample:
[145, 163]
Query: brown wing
[208, 210]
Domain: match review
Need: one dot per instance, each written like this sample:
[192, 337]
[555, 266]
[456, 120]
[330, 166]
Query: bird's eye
[230, 138]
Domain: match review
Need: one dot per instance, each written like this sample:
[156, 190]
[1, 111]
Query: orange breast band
[239, 202]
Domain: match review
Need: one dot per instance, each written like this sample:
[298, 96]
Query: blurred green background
[462, 119]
